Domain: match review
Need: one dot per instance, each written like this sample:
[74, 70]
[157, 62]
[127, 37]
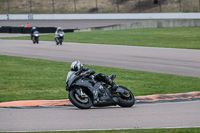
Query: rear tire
[126, 101]
[77, 102]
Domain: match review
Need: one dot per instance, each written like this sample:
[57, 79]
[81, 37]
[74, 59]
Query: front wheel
[127, 99]
[60, 41]
[79, 98]
[33, 39]
[37, 40]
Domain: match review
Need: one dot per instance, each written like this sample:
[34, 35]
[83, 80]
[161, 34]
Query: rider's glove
[86, 73]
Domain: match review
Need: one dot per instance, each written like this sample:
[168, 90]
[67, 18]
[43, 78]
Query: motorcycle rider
[32, 31]
[58, 30]
[77, 65]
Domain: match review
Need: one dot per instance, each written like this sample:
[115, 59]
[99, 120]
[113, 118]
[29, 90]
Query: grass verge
[188, 38]
[35, 79]
[174, 130]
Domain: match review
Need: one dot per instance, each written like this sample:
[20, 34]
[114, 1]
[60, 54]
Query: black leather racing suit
[99, 77]
[32, 31]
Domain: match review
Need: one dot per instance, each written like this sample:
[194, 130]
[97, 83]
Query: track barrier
[26, 30]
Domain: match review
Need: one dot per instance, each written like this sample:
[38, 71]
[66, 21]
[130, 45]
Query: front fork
[81, 93]
[56, 39]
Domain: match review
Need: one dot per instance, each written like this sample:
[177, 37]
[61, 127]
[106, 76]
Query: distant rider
[77, 65]
[32, 31]
[58, 30]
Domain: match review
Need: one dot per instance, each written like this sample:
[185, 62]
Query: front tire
[37, 40]
[60, 41]
[128, 100]
[79, 102]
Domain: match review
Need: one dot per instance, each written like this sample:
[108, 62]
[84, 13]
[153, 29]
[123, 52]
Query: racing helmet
[76, 65]
[59, 29]
[33, 28]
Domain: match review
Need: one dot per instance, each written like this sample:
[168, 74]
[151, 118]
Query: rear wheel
[127, 99]
[79, 98]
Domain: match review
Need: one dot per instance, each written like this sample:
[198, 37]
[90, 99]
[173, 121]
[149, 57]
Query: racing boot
[113, 85]
[108, 80]
[112, 77]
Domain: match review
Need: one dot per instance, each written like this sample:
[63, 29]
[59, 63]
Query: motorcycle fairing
[71, 79]
[88, 84]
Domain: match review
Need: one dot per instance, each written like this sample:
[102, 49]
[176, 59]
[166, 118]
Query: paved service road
[66, 24]
[183, 62]
[178, 114]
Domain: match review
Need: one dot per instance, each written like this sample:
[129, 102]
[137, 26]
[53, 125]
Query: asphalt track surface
[140, 116]
[183, 62]
[162, 60]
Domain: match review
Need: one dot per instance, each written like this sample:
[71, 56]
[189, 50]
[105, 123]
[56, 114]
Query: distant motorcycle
[85, 92]
[35, 37]
[60, 38]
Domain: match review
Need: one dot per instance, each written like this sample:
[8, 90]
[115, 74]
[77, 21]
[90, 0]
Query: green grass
[175, 130]
[188, 38]
[35, 79]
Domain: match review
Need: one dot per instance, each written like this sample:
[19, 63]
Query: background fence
[97, 6]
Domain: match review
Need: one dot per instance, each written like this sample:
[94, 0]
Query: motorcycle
[35, 37]
[85, 92]
[60, 38]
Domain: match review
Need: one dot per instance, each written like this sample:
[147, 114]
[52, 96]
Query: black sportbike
[35, 37]
[60, 38]
[85, 92]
